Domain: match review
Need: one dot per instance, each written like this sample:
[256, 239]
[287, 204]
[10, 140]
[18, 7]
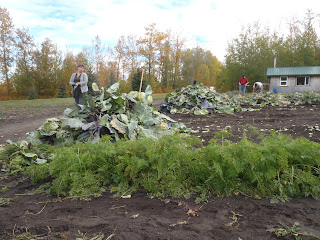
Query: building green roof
[293, 71]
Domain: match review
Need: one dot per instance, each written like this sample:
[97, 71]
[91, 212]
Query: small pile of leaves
[199, 100]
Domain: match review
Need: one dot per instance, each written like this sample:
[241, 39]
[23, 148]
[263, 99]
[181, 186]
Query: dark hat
[242, 75]
[80, 65]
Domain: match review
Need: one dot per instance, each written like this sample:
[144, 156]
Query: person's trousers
[243, 89]
[79, 99]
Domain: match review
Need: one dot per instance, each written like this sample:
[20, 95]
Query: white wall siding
[292, 86]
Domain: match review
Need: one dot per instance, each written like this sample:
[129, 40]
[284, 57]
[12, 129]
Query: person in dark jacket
[243, 82]
[79, 83]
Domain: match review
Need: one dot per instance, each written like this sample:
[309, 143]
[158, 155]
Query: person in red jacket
[243, 82]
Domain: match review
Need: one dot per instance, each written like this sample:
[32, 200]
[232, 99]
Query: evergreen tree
[112, 78]
[62, 93]
[136, 79]
[92, 78]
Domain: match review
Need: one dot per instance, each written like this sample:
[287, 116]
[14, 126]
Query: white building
[294, 79]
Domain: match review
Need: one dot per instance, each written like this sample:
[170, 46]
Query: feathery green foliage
[278, 167]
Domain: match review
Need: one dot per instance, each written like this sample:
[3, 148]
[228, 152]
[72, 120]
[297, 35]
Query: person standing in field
[243, 82]
[79, 83]
[257, 87]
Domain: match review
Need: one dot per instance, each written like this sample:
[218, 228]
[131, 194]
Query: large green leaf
[132, 126]
[131, 97]
[104, 120]
[106, 105]
[113, 88]
[144, 113]
[148, 91]
[123, 118]
[203, 111]
[91, 125]
[75, 123]
[50, 127]
[67, 112]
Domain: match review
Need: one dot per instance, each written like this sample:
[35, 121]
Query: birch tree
[6, 48]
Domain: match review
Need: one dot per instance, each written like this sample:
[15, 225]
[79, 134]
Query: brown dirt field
[15, 128]
[296, 121]
[57, 218]
[52, 217]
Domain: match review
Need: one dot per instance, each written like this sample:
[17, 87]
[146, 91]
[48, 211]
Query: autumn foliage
[44, 69]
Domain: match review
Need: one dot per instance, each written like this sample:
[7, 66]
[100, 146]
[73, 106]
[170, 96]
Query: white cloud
[209, 23]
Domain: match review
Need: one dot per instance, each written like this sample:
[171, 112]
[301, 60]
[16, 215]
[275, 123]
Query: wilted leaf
[24, 145]
[29, 155]
[119, 126]
[95, 87]
[40, 161]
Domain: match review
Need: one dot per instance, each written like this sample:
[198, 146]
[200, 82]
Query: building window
[283, 81]
[303, 81]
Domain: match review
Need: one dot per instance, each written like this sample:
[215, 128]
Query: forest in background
[31, 70]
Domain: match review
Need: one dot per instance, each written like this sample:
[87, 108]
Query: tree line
[29, 69]
[256, 47]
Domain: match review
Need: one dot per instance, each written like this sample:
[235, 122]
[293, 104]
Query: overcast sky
[208, 23]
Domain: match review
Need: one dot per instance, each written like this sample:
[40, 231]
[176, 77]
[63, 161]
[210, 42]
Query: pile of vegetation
[310, 98]
[118, 115]
[272, 99]
[278, 167]
[199, 100]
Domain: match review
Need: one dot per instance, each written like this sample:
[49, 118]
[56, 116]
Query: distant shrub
[33, 95]
[62, 93]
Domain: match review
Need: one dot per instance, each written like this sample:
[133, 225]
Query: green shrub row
[277, 167]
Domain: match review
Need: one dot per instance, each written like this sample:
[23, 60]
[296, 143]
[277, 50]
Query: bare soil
[141, 217]
[14, 126]
[296, 121]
